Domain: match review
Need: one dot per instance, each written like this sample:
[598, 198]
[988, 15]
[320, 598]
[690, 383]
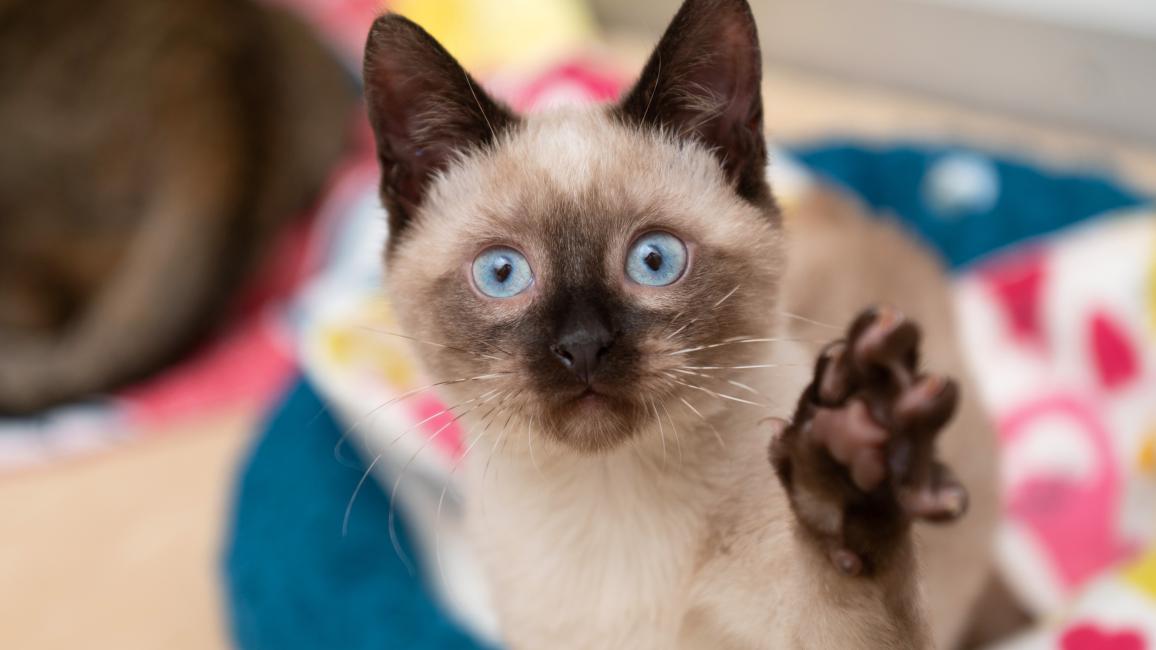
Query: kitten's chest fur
[600, 552]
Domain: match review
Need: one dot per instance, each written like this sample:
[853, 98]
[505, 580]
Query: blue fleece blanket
[294, 581]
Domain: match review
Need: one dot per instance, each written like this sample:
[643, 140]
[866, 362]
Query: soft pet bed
[1057, 294]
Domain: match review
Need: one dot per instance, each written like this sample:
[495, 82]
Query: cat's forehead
[591, 170]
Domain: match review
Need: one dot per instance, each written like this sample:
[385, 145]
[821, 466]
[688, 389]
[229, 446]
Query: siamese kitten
[150, 152]
[606, 291]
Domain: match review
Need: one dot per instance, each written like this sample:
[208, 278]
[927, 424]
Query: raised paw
[858, 459]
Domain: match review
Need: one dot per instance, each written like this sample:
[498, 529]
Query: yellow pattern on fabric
[1143, 574]
[1147, 460]
[484, 34]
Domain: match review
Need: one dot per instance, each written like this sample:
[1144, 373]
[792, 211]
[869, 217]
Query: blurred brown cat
[150, 150]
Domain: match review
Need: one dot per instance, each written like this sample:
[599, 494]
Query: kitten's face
[584, 260]
[584, 272]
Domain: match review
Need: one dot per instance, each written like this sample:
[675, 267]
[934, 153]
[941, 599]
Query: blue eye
[501, 272]
[656, 259]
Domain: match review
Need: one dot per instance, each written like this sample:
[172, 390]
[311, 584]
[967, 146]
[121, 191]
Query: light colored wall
[1126, 16]
[998, 54]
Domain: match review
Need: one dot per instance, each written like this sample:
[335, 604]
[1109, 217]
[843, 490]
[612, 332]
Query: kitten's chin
[593, 421]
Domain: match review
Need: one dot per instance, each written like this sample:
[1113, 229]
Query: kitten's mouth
[591, 397]
[591, 418]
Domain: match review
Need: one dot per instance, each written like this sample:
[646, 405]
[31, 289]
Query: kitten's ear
[424, 109]
[702, 81]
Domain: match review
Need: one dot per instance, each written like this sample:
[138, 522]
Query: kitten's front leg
[858, 460]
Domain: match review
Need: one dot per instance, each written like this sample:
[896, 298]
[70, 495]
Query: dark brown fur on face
[150, 151]
[580, 290]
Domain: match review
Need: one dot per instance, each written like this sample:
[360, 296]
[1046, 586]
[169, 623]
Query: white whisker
[732, 382]
[726, 297]
[339, 455]
[753, 366]
[809, 320]
[486, 470]
[353, 497]
[407, 395]
[479, 103]
[717, 435]
[732, 342]
[377, 458]
[719, 395]
[654, 90]
[673, 431]
[743, 386]
[441, 501]
[397, 483]
[433, 343]
[448, 409]
[661, 432]
[679, 330]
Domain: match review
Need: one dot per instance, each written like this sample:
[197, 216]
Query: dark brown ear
[424, 109]
[703, 82]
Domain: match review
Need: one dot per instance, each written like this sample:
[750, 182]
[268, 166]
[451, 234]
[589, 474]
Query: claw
[941, 499]
[927, 405]
[834, 382]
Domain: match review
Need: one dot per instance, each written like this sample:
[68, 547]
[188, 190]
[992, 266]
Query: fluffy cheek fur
[572, 195]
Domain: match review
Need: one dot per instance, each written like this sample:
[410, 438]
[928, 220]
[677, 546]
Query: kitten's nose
[582, 349]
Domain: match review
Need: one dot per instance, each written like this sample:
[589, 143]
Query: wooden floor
[120, 550]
